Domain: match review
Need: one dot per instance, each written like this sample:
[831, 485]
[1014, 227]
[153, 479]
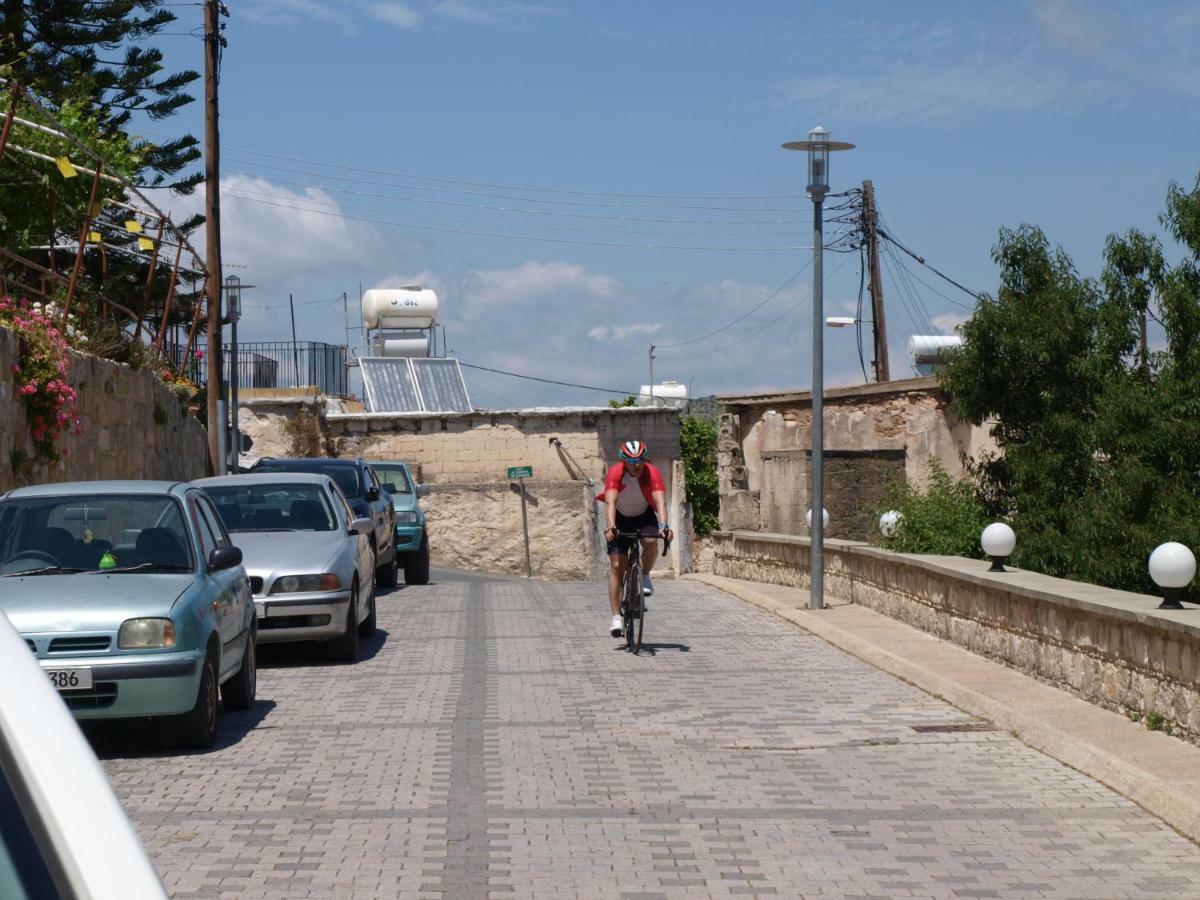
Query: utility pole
[212, 231]
[870, 228]
[295, 346]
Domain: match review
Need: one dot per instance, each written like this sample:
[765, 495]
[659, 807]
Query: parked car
[63, 833]
[412, 540]
[309, 558]
[366, 497]
[133, 598]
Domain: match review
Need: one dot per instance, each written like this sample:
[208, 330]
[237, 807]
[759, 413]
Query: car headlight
[407, 517]
[299, 584]
[146, 634]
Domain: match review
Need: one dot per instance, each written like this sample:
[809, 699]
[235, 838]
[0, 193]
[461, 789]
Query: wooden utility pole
[212, 231]
[870, 228]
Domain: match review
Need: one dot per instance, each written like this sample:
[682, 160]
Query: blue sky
[968, 117]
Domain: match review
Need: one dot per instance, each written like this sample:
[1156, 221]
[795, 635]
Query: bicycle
[633, 600]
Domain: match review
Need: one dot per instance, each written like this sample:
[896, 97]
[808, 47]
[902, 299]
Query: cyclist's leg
[617, 562]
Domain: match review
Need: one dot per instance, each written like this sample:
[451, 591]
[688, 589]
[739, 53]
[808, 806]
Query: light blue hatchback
[133, 598]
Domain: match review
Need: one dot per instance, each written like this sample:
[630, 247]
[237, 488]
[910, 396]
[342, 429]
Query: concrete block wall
[132, 427]
[1112, 648]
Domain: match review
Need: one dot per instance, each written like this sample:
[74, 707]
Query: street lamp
[233, 306]
[998, 542]
[818, 146]
[840, 321]
[1172, 566]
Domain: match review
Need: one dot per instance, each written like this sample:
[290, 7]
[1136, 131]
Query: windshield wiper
[45, 570]
[147, 567]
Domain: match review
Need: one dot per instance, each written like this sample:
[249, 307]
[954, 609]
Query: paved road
[496, 743]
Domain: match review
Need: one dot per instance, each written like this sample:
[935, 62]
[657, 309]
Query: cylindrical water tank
[414, 347]
[407, 307]
[926, 347]
[669, 393]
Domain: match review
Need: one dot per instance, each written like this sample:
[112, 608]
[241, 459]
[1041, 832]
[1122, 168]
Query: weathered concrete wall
[132, 427]
[455, 452]
[1111, 648]
[910, 421]
[478, 526]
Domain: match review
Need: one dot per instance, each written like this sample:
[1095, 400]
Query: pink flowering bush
[40, 378]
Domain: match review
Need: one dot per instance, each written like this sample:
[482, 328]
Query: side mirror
[362, 526]
[372, 493]
[422, 490]
[224, 558]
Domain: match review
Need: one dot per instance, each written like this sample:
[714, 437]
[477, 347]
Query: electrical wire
[586, 387]
[522, 237]
[888, 236]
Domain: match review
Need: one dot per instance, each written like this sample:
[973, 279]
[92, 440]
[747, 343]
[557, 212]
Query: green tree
[1099, 441]
[698, 442]
[630, 400]
[945, 517]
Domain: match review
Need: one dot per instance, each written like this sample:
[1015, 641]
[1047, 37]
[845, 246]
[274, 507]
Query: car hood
[88, 601]
[267, 553]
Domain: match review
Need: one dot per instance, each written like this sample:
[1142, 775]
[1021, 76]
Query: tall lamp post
[233, 307]
[818, 146]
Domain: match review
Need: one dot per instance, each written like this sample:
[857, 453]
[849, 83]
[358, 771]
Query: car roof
[308, 460]
[262, 478]
[386, 462]
[67, 488]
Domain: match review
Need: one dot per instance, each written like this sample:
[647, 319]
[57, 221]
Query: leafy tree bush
[698, 440]
[945, 518]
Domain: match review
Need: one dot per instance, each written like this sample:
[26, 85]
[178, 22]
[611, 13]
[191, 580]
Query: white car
[63, 833]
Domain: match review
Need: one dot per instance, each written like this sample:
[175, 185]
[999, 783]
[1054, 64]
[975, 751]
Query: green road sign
[520, 471]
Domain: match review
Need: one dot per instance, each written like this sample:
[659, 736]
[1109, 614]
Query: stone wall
[878, 429]
[478, 526]
[1112, 648]
[132, 427]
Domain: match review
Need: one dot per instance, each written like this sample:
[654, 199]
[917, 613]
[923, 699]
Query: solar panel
[442, 386]
[390, 385]
[401, 384]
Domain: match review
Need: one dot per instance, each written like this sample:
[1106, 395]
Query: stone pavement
[495, 742]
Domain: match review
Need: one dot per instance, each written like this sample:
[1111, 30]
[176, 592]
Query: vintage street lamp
[998, 542]
[824, 518]
[818, 146]
[233, 308]
[889, 522]
[1172, 566]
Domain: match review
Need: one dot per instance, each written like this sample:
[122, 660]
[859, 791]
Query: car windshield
[93, 533]
[345, 476]
[393, 478]
[273, 507]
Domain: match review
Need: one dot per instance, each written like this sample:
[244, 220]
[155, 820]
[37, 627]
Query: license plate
[71, 679]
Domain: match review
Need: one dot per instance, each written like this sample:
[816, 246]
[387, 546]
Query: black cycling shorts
[647, 521]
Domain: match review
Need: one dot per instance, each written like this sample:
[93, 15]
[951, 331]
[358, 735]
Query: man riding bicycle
[637, 503]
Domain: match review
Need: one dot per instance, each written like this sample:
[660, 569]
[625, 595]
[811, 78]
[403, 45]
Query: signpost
[519, 474]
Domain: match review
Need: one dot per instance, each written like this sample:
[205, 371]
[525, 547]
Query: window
[213, 521]
[271, 506]
[393, 478]
[208, 537]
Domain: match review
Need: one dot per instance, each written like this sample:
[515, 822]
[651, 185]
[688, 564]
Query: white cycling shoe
[647, 585]
[618, 626]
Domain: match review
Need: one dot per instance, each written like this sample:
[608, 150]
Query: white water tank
[926, 350]
[399, 308]
[412, 346]
[669, 393]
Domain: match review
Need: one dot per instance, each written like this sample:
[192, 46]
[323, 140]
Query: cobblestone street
[494, 741]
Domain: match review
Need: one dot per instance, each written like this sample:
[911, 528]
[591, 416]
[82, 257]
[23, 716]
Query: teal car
[132, 598]
[412, 540]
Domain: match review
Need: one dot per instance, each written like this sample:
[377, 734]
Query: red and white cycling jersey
[635, 495]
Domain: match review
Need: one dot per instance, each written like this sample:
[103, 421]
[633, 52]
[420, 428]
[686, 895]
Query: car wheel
[198, 728]
[416, 567]
[366, 627]
[238, 692]
[386, 575]
[345, 648]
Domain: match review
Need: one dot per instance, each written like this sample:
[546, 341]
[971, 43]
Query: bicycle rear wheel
[632, 603]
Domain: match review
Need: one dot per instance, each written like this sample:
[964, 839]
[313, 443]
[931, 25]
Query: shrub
[944, 518]
[41, 375]
[698, 441]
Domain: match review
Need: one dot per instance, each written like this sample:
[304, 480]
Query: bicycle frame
[633, 602]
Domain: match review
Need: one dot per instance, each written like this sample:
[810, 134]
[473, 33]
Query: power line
[888, 236]
[586, 387]
[523, 237]
[515, 209]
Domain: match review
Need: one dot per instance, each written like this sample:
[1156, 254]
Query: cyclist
[637, 502]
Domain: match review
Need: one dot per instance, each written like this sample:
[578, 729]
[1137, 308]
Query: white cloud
[490, 12]
[397, 14]
[949, 323]
[621, 332]
[292, 13]
[532, 281]
[426, 279]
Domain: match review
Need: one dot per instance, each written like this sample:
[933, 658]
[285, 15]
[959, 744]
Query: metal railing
[276, 364]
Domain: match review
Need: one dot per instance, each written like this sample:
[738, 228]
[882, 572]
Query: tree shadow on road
[145, 738]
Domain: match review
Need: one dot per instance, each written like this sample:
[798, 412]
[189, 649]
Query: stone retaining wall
[1112, 648]
[132, 427]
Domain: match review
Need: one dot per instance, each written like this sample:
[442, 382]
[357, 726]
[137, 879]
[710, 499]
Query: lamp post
[233, 306]
[818, 146]
[998, 542]
[1172, 566]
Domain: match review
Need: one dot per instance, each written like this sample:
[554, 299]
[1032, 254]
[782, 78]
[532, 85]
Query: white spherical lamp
[824, 518]
[998, 542]
[1172, 566]
[889, 522]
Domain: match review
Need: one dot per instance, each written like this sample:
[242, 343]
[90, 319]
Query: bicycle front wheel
[632, 606]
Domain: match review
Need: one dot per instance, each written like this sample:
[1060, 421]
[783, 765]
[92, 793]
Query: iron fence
[275, 364]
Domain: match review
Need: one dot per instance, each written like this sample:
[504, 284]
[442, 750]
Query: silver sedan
[308, 557]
